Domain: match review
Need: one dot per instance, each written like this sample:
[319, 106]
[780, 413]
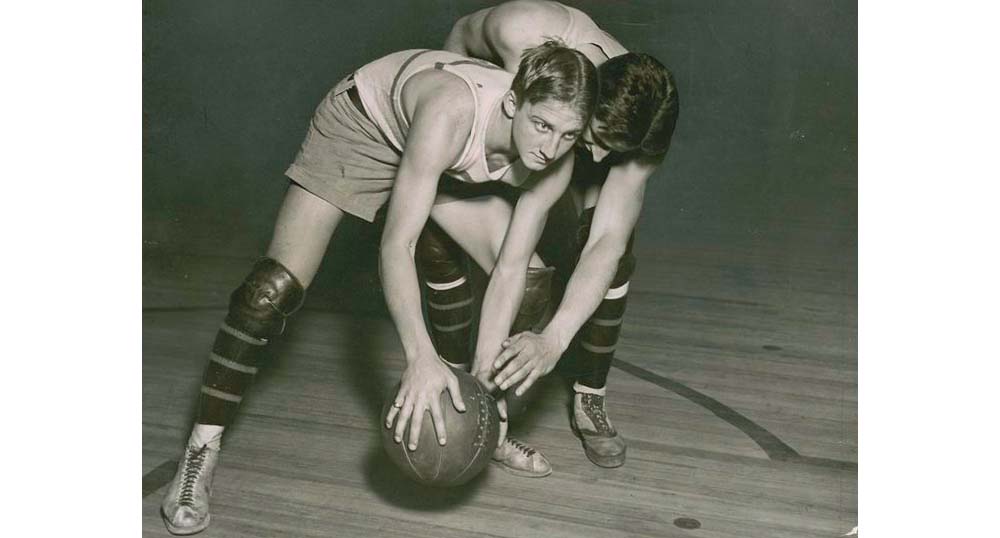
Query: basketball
[518, 405]
[472, 438]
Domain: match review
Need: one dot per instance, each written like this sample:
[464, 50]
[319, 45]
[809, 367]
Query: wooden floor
[735, 386]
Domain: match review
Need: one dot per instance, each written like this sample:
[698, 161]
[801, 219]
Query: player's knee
[437, 257]
[537, 299]
[268, 295]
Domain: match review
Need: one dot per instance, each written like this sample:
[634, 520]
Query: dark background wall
[765, 149]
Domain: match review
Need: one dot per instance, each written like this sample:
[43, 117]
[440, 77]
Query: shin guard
[533, 314]
[598, 338]
[257, 313]
[449, 294]
[535, 306]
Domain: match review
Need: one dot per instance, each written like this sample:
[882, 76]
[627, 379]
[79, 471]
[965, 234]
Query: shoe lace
[525, 449]
[194, 464]
[593, 405]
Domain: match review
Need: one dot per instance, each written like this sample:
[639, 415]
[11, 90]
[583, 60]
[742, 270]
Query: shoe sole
[185, 531]
[607, 462]
[518, 472]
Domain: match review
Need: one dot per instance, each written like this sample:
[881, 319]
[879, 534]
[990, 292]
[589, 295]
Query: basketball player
[627, 139]
[394, 127]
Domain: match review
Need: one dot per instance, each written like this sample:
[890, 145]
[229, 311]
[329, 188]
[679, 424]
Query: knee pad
[537, 299]
[260, 305]
[439, 259]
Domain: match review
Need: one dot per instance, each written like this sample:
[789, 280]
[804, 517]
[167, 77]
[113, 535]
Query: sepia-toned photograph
[525, 268]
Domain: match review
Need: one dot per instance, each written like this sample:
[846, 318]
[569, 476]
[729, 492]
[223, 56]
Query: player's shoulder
[520, 19]
[437, 85]
[440, 91]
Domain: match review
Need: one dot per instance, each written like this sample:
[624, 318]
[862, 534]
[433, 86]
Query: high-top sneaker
[185, 507]
[603, 445]
[520, 459]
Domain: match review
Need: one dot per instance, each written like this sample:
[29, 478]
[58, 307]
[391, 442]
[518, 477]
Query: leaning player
[627, 139]
[394, 126]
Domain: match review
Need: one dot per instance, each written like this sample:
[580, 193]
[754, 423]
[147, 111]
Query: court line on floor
[158, 477]
[776, 449]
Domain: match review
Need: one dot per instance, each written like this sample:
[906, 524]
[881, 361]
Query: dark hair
[554, 71]
[639, 104]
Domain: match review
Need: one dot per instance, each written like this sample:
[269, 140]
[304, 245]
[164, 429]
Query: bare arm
[506, 287]
[617, 211]
[437, 135]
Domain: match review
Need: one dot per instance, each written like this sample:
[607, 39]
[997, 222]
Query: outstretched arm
[437, 135]
[618, 207]
[506, 287]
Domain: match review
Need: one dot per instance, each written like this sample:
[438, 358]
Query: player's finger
[503, 427]
[503, 376]
[510, 340]
[514, 378]
[524, 386]
[485, 377]
[403, 420]
[507, 354]
[438, 419]
[397, 404]
[502, 409]
[455, 393]
[416, 422]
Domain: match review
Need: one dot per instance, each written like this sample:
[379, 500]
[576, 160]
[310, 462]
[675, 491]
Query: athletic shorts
[344, 158]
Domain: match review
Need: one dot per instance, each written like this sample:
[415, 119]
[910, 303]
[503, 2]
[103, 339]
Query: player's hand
[420, 389]
[482, 369]
[525, 358]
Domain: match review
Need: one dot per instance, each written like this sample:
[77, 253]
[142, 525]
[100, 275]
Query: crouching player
[625, 142]
[393, 127]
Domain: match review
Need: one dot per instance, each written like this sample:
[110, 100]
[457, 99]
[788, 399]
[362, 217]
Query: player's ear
[509, 104]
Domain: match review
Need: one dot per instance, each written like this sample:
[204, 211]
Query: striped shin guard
[598, 338]
[449, 308]
[230, 371]
[257, 312]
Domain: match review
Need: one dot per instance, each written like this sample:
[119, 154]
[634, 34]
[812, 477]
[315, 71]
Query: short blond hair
[553, 71]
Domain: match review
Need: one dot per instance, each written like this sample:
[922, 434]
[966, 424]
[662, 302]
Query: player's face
[591, 140]
[544, 131]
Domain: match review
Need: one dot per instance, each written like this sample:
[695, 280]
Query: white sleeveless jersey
[380, 85]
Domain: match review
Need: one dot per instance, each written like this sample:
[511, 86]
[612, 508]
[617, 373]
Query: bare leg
[479, 225]
[302, 232]
[273, 290]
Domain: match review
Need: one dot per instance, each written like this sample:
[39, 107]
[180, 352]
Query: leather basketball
[472, 438]
[518, 405]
